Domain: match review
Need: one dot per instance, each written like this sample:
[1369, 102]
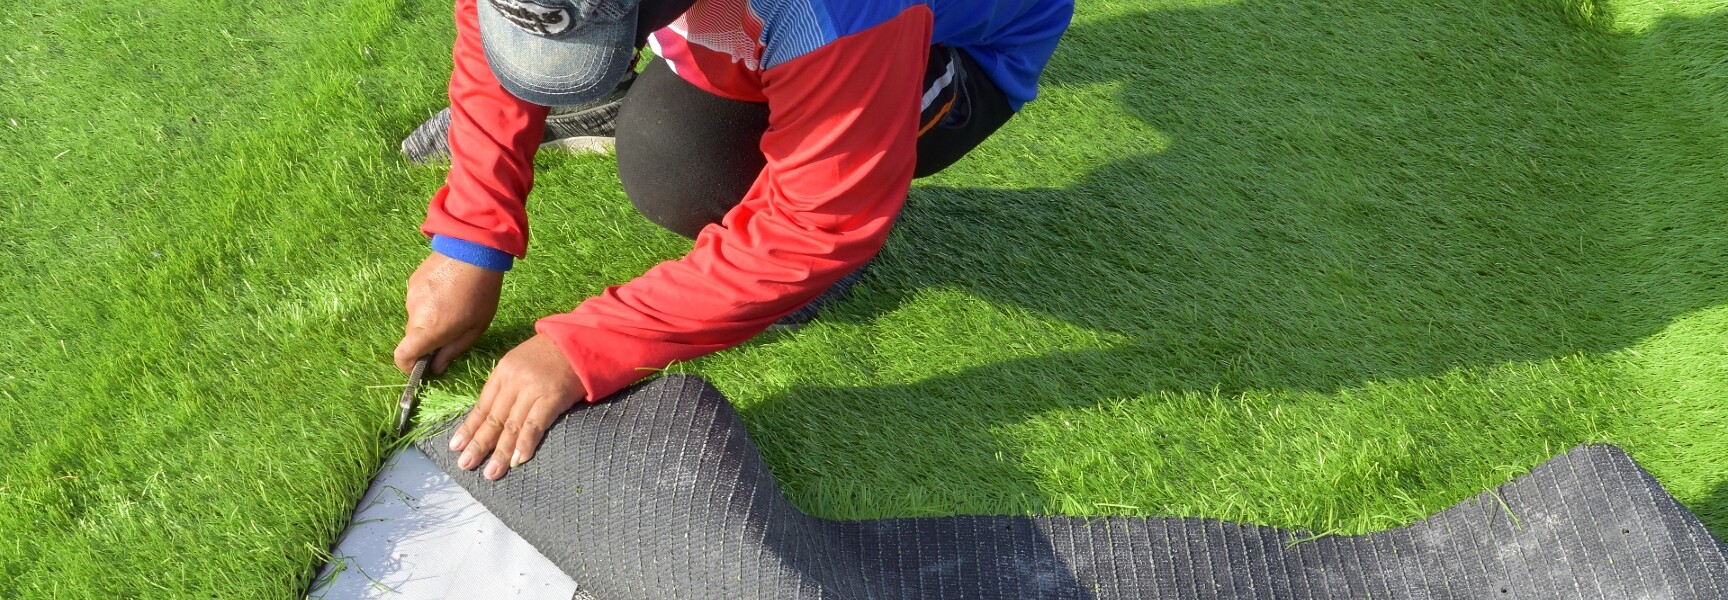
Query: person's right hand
[450, 303]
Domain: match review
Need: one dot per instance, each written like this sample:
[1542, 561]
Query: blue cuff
[479, 255]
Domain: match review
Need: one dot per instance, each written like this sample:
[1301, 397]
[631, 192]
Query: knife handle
[410, 392]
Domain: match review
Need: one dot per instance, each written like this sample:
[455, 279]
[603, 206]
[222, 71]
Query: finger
[418, 341]
[477, 415]
[491, 422]
[448, 352]
[407, 351]
[484, 438]
[534, 426]
[501, 455]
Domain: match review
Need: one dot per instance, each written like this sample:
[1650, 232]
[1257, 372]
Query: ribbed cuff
[479, 255]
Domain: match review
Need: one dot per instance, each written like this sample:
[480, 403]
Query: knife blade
[410, 398]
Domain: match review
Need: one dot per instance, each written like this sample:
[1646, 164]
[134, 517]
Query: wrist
[479, 255]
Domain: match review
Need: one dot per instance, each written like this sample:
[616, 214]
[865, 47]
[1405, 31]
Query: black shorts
[716, 142]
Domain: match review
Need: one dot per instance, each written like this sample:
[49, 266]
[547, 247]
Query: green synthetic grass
[1322, 265]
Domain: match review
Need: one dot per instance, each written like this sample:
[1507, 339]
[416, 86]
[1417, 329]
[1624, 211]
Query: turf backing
[1320, 265]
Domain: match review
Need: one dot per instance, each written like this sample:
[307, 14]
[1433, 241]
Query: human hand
[529, 389]
[450, 303]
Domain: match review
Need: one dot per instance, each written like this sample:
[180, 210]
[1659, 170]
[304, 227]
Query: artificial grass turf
[1322, 265]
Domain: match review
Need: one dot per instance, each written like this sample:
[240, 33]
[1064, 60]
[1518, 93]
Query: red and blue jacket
[843, 82]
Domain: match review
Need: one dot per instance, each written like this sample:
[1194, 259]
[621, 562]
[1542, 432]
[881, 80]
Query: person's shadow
[1407, 192]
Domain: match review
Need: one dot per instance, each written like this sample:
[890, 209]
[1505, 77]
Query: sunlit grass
[1319, 265]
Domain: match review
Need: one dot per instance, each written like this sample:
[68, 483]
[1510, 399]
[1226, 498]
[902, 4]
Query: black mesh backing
[661, 494]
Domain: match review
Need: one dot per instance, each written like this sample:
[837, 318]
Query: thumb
[416, 342]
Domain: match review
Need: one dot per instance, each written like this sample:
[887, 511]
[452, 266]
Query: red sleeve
[841, 146]
[493, 137]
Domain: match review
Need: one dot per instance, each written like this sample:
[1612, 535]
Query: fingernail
[467, 461]
[515, 459]
[457, 440]
[494, 471]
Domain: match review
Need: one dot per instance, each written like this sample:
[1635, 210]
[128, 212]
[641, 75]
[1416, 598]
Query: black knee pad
[685, 156]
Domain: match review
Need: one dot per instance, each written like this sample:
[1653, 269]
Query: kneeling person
[781, 135]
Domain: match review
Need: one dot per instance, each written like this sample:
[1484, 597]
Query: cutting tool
[410, 399]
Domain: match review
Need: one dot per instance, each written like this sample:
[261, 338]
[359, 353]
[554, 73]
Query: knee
[685, 156]
[677, 216]
[681, 200]
[651, 192]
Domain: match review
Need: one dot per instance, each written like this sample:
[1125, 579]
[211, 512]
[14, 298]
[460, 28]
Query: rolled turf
[1330, 266]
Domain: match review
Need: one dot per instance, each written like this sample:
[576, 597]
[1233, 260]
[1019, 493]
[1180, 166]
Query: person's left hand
[529, 389]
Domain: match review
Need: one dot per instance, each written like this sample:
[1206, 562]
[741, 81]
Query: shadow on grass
[1310, 228]
[1373, 192]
